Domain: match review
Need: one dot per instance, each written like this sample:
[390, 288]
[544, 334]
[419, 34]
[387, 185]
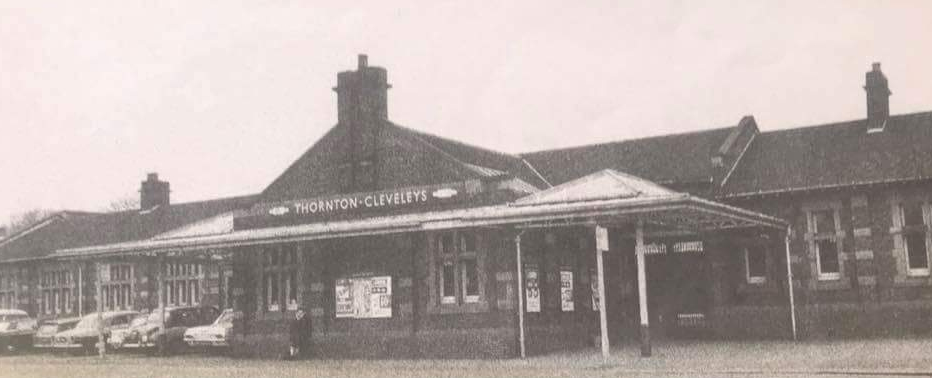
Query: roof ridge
[443, 152]
[581, 146]
[843, 123]
[454, 141]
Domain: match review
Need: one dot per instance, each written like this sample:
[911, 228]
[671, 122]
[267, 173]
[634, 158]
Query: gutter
[803, 189]
[456, 219]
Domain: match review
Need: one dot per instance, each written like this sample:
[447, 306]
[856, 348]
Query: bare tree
[21, 221]
[124, 203]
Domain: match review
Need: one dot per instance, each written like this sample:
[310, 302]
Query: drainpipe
[789, 281]
[520, 296]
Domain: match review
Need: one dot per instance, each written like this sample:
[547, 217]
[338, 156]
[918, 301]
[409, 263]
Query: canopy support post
[603, 314]
[642, 289]
[101, 348]
[789, 282]
[161, 281]
[80, 285]
[521, 341]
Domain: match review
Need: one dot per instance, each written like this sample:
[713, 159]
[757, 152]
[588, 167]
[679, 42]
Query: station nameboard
[345, 205]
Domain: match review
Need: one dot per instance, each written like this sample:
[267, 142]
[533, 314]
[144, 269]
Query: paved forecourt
[883, 357]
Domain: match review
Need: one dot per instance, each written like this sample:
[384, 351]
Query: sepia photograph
[418, 188]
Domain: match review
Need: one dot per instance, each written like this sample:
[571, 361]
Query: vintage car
[16, 330]
[147, 333]
[45, 335]
[217, 334]
[128, 337]
[84, 336]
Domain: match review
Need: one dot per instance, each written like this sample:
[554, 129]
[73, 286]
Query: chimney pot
[363, 61]
[875, 67]
[152, 177]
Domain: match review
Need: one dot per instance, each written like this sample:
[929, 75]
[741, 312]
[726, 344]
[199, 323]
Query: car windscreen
[88, 322]
[156, 316]
[11, 317]
[224, 318]
[139, 320]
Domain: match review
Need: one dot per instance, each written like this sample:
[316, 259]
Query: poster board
[363, 297]
[532, 288]
[566, 291]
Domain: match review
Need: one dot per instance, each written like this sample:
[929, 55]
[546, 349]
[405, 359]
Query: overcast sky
[219, 97]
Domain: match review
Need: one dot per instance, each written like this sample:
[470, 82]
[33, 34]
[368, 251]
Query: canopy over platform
[605, 197]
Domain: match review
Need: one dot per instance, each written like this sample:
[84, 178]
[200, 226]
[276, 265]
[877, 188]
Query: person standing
[300, 332]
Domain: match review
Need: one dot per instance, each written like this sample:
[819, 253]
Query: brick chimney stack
[878, 98]
[362, 108]
[362, 94]
[153, 192]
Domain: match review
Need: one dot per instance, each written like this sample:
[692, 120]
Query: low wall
[824, 321]
[474, 343]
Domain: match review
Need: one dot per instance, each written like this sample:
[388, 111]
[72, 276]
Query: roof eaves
[34, 227]
[802, 189]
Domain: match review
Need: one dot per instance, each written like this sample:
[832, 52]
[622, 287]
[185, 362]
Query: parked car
[217, 334]
[147, 333]
[16, 330]
[45, 335]
[128, 337]
[84, 335]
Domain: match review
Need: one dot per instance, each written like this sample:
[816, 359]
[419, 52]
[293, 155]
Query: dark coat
[300, 332]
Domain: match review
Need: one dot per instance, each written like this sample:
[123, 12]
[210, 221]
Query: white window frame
[285, 265]
[447, 258]
[926, 220]
[456, 257]
[54, 283]
[118, 292]
[9, 281]
[819, 235]
[183, 283]
[747, 267]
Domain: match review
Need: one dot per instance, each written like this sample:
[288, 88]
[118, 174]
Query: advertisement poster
[532, 287]
[566, 290]
[594, 285]
[364, 297]
[380, 298]
[344, 298]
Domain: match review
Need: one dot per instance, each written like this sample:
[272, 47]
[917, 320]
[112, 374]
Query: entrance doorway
[678, 290]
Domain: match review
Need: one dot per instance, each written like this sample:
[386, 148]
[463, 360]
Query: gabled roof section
[835, 155]
[668, 159]
[75, 229]
[317, 171]
[485, 162]
[603, 185]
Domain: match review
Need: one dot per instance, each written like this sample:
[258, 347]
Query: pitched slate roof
[677, 158]
[75, 229]
[478, 159]
[461, 161]
[834, 155]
